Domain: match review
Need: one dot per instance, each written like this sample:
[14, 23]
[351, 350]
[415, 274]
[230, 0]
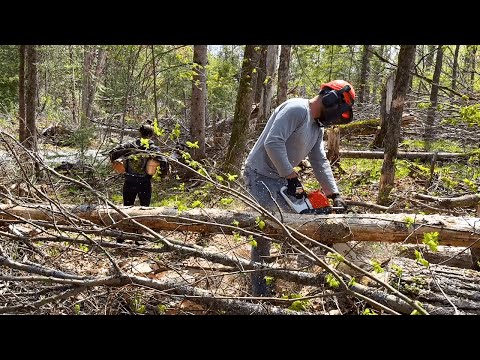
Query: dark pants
[137, 185]
[256, 185]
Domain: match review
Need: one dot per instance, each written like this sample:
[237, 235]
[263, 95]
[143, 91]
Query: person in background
[136, 154]
[295, 130]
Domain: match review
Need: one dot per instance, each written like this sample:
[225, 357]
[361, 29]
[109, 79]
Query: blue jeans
[256, 185]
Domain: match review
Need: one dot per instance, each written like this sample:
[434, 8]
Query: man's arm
[286, 121]
[321, 167]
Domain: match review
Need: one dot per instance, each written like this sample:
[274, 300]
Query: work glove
[339, 202]
[295, 188]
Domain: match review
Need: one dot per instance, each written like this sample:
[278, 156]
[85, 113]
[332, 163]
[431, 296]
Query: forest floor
[358, 179]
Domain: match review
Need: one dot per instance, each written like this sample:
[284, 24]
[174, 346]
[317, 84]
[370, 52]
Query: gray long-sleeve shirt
[288, 137]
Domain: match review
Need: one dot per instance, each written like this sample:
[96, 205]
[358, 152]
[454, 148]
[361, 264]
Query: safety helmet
[342, 93]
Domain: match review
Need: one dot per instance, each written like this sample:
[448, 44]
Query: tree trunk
[266, 99]
[471, 200]
[455, 67]
[240, 132]
[377, 75]
[283, 72]
[429, 132]
[392, 136]
[73, 88]
[154, 69]
[328, 229]
[364, 73]
[30, 99]
[22, 127]
[261, 74]
[437, 287]
[333, 144]
[385, 105]
[199, 93]
[473, 64]
[86, 84]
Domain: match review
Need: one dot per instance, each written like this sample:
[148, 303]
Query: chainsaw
[313, 203]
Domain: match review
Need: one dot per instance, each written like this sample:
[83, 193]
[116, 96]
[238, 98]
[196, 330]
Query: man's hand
[338, 202]
[295, 188]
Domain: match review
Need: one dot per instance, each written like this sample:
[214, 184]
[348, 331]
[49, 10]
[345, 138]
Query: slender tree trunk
[283, 72]
[473, 64]
[22, 127]
[267, 86]
[385, 106]
[199, 90]
[364, 73]
[30, 99]
[377, 75]
[74, 98]
[455, 67]
[261, 74]
[154, 82]
[429, 132]
[86, 84]
[406, 57]
[243, 107]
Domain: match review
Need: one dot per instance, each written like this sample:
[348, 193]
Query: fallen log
[329, 229]
[443, 290]
[471, 200]
[369, 127]
[423, 156]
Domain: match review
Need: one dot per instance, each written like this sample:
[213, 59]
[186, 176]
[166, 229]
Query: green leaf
[192, 145]
[431, 239]
[377, 267]
[232, 177]
[352, 282]
[235, 223]
[368, 311]
[219, 178]
[253, 242]
[197, 203]
[145, 143]
[260, 223]
[398, 270]
[156, 129]
[331, 281]
[226, 201]
[269, 280]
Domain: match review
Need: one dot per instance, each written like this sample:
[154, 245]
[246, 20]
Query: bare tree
[364, 73]
[428, 135]
[22, 128]
[283, 72]
[93, 65]
[199, 90]
[406, 57]
[243, 107]
[455, 67]
[30, 99]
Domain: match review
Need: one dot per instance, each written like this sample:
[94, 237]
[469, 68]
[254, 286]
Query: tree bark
[243, 108]
[393, 120]
[385, 106]
[429, 132]
[22, 127]
[437, 287]
[329, 229]
[333, 144]
[451, 203]
[364, 73]
[199, 93]
[283, 72]
[455, 67]
[30, 100]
